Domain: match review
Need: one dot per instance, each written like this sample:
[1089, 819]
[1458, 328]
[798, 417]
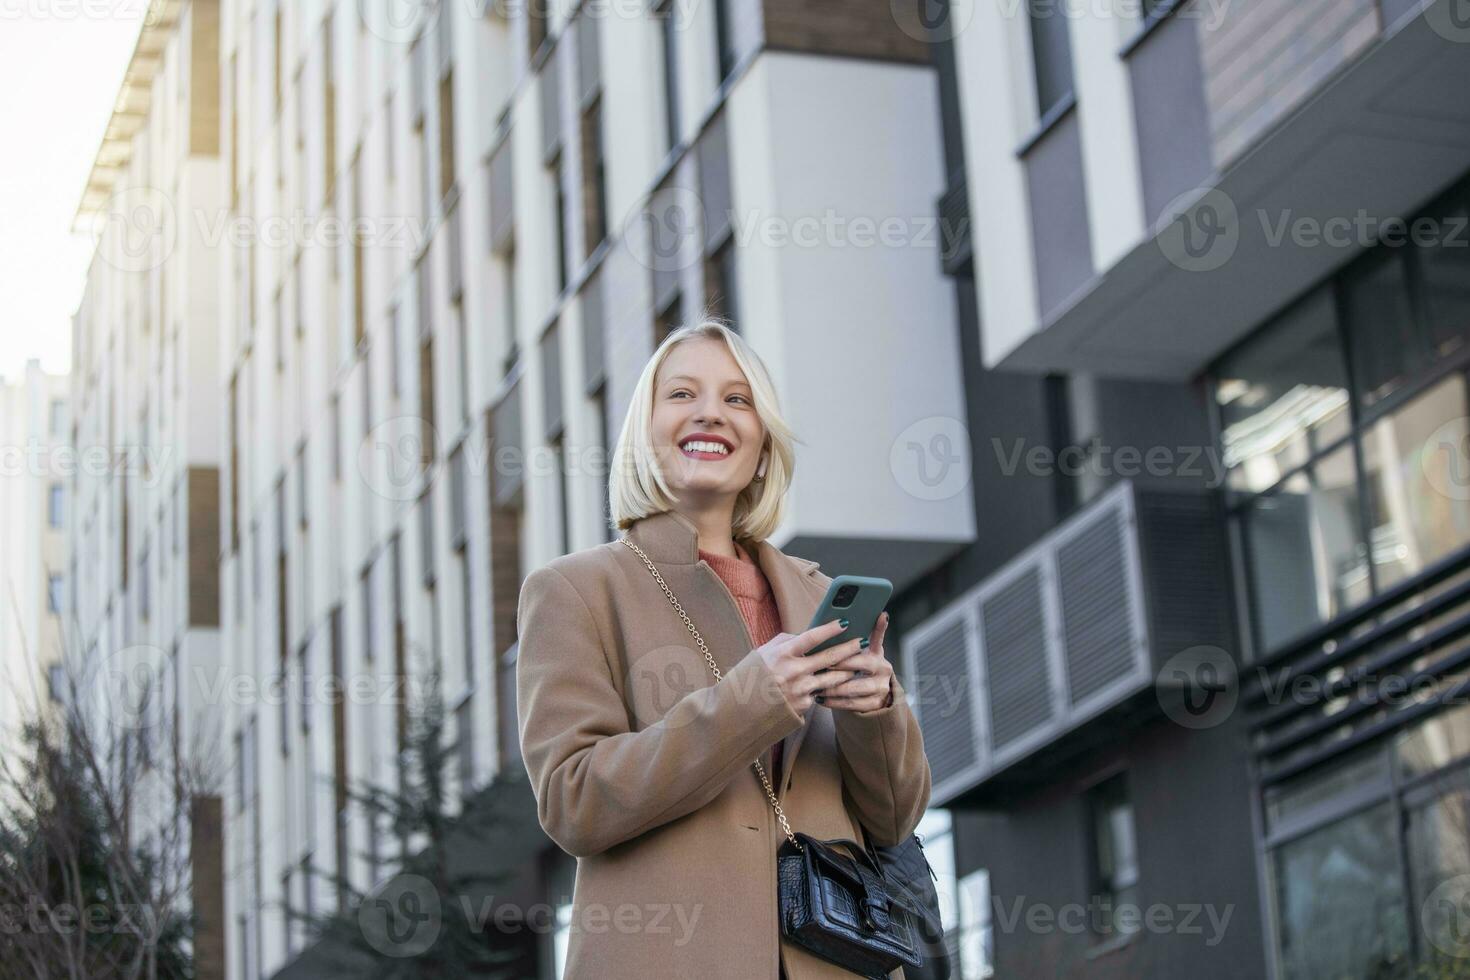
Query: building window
[1343, 902]
[336, 413]
[1337, 428]
[1052, 55]
[55, 505]
[719, 282]
[594, 177]
[465, 730]
[58, 418]
[976, 935]
[536, 32]
[668, 35]
[724, 40]
[429, 438]
[446, 132]
[666, 320]
[1114, 858]
[555, 171]
[54, 595]
[144, 592]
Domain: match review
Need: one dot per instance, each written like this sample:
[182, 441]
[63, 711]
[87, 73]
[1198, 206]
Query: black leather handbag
[867, 910]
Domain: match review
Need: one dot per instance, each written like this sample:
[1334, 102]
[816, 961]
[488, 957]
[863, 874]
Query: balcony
[1374, 670]
[1378, 139]
[1058, 651]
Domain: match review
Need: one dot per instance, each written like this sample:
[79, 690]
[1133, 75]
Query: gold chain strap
[760, 769]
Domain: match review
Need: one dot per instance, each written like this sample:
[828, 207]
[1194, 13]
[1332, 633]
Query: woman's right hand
[787, 655]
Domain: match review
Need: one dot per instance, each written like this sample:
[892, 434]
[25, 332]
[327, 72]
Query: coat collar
[670, 538]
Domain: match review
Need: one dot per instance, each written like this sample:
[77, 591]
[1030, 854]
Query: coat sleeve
[597, 783]
[884, 769]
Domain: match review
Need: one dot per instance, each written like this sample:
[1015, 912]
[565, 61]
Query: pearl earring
[760, 472]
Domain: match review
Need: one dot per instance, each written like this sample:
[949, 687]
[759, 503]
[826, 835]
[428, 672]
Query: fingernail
[820, 699]
[863, 643]
[842, 623]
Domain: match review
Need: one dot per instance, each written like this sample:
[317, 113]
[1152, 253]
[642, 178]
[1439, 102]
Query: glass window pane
[1439, 852]
[1380, 327]
[977, 937]
[1305, 549]
[1340, 901]
[1051, 48]
[1445, 259]
[1302, 794]
[1283, 395]
[1417, 482]
[1435, 743]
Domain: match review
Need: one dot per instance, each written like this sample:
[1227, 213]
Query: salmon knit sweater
[757, 603]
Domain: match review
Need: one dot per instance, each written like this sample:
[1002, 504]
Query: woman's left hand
[867, 691]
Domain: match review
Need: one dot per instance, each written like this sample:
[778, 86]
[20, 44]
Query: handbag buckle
[875, 899]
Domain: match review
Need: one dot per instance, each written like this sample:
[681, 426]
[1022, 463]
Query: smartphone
[856, 598]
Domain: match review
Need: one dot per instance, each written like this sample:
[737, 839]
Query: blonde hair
[637, 487]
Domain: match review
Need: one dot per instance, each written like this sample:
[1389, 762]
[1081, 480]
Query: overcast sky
[59, 69]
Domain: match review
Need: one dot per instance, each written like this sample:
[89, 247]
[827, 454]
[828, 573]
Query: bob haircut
[637, 487]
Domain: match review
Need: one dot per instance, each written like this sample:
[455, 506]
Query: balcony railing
[1049, 655]
[1371, 671]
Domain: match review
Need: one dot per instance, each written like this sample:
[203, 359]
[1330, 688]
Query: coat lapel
[669, 537]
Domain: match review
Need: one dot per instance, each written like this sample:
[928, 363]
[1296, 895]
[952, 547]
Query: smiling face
[705, 430]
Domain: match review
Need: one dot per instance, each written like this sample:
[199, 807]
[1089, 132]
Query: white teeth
[706, 447]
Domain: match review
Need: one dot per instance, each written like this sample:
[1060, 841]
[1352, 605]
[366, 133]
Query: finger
[835, 654]
[867, 703]
[865, 660]
[858, 687]
[805, 642]
[881, 630]
[818, 683]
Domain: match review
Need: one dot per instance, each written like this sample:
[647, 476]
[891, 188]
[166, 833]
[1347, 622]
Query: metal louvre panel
[1096, 602]
[1014, 633]
[1184, 582]
[942, 683]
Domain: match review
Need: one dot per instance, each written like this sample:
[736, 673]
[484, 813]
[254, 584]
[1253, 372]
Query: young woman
[641, 762]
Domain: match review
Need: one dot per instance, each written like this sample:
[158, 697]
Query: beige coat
[641, 764]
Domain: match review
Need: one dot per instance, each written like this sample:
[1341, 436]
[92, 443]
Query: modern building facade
[142, 609]
[34, 423]
[418, 413]
[1202, 669]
